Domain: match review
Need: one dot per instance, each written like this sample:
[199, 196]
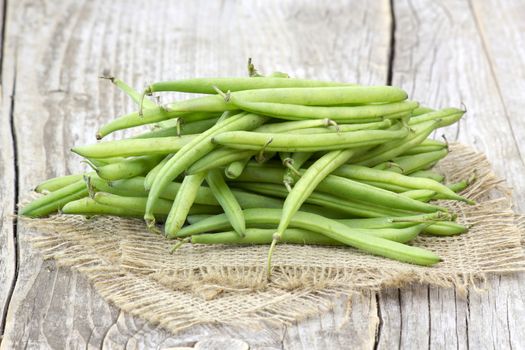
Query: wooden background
[443, 53]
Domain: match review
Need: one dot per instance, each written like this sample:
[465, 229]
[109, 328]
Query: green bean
[264, 236]
[128, 168]
[184, 129]
[53, 201]
[391, 149]
[183, 203]
[196, 218]
[461, 185]
[193, 151]
[410, 164]
[426, 146]
[132, 93]
[227, 200]
[446, 116]
[421, 110]
[134, 147]
[322, 96]
[88, 206]
[363, 173]
[395, 222]
[150, 115]
[152, 174]
[354, 114]
[362, 239]
[284, 127]
[223, 156]
[445, 228]
[305, 143]
[99, 162]
[205, 85]
[386, 186]
[218, 158]
[345, 128]
[428, 174]
[138, 204]
[420, 195]
[57, 183]
[235, 168]
[346, 188]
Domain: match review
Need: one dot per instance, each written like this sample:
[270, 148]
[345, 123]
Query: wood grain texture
[446, 53]
[441, 58]
[59, 49]
[7, 192]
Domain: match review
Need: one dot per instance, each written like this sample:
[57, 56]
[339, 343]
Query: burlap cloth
[133, 268]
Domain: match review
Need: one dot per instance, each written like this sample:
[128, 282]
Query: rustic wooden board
[76, 41]
[445, 53]
[441, 58]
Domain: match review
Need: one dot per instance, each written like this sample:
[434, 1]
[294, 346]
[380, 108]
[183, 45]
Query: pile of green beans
[262, 160]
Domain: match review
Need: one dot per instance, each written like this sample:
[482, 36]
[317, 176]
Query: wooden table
[444, 53]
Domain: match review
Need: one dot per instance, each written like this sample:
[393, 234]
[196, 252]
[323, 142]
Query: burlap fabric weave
[227, 284]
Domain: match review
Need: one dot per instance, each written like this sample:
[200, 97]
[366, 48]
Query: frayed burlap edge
[222, 284]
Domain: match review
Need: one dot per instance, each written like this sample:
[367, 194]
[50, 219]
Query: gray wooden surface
[443, 53]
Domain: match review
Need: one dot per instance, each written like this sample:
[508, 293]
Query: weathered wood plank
[441, 59]
[7, 190]
[60, 49]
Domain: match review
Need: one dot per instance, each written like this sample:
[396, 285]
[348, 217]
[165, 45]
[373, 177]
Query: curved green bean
[227, 200]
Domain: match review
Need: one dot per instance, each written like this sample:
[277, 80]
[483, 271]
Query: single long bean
[247, 140]
[88, 206]
[428, 174]
[128, 168]
[57, 183]
[134, 147]
[354, 114]
[183, 203]
[227, 200]
[184, 129]
[264, 236]
[205, 85]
